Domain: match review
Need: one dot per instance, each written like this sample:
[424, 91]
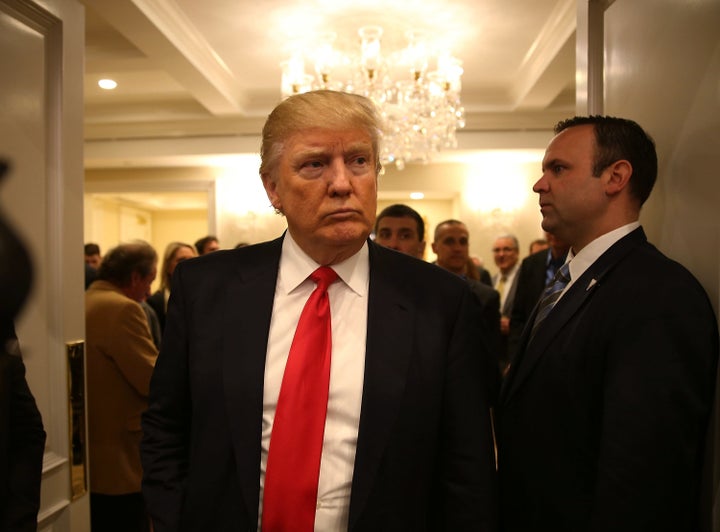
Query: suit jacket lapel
[576, 296]
[389, 344]
[245, 328]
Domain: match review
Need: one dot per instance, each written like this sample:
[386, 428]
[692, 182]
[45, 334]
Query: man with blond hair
[372, 414]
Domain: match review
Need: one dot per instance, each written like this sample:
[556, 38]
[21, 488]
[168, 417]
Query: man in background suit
[451, 244]
[401, 228]
[536, 272]
[603, 415]
[120, 360]
[407, 442]
[506, 254]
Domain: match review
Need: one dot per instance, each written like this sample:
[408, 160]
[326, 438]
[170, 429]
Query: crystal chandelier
[420, 107]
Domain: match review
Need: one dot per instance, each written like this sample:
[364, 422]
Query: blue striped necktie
[551, 295]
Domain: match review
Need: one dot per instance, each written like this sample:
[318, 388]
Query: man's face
[452, 247]
[505, 253]
[139, 287]
[400, 234]
[326, 186]
[93, 260]
[211, 246]
[571, 199]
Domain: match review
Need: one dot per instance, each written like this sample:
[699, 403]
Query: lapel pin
[592, 283]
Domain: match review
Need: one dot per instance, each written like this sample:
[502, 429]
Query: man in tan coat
[120, 360]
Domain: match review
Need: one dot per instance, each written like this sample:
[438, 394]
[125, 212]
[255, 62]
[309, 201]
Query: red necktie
[293, 467]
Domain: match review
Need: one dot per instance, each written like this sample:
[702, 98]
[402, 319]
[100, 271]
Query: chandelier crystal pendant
[421, 108]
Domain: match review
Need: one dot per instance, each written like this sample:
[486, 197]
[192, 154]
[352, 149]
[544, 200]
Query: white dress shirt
[590, 253]
[509, 279]
[348, 308]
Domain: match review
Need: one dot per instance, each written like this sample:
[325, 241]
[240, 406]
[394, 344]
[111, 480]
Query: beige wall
[109, 222]
[176, 226]
[491, 192]
[663, 71]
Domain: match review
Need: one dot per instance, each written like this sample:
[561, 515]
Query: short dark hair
[204, 241]
[92, 249]
[451, 221]
[123, 260]
[617, 139]
[399, 210]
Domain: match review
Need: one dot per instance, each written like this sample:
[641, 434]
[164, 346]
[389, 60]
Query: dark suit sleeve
[166, 423]
[489, 303]
[530, 285]
[25, 440]
[468, 497]
[485, 277]
[659, 378]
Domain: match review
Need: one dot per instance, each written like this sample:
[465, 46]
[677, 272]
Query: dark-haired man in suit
[401, 228]
[603, 415]
[404, 440]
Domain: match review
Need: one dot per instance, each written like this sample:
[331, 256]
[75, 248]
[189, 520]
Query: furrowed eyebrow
[311, 152]
[553, 162]
[358, 147]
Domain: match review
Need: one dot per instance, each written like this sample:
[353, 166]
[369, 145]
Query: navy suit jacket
[424, 458]
[602, 418]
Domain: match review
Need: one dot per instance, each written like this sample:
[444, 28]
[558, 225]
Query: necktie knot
[324, 276]
[562, 276]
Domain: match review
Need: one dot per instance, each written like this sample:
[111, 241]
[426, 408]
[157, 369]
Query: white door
[41, 61]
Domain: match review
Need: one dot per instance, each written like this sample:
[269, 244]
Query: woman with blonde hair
[175, 252]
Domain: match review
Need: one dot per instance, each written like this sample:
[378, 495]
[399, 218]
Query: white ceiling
[196, 79]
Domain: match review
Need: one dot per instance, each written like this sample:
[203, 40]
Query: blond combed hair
[324, 109]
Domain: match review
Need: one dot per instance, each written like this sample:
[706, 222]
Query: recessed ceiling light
[417, 195]
[107, 84]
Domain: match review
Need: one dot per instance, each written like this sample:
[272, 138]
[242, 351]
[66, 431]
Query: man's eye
[311, 168]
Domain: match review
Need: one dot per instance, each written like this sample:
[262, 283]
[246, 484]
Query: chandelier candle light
[421, 109]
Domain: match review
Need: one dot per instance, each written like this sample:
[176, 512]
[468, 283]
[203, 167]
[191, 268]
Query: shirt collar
[296, 266]
[590, 253]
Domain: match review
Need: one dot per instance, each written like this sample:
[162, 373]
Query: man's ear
[618, 176]
[271, 190]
